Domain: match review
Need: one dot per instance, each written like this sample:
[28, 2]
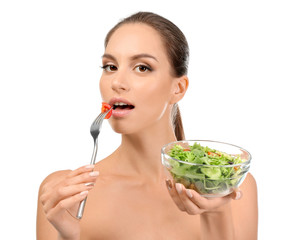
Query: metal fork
[94, 131]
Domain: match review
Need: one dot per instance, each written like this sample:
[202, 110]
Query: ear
[179, 88]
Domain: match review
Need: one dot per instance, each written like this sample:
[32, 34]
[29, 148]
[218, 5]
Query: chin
[121, 128]
[141, 123]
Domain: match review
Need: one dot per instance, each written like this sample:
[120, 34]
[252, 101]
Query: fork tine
[101, 117]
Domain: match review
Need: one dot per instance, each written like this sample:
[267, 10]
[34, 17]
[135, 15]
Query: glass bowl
[207, 179]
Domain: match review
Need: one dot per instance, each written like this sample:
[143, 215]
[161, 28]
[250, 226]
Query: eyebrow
[135, 57]
[143, 55]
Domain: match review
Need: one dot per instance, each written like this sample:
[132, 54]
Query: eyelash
[106, 66]
[141, 65]
[145, 66]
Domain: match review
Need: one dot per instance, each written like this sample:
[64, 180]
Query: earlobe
[180, 88]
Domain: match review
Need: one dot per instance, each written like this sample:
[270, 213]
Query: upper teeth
[120, 104]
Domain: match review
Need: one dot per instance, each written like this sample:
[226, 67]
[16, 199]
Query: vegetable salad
[213, 174]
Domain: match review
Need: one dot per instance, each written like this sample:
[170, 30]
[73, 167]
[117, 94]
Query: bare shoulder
[245, 210]
[249, 194]
[57, 174]
[251, 178]
[249, 184]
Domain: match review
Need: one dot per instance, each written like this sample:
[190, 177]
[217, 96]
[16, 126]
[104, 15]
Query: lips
[121, 107]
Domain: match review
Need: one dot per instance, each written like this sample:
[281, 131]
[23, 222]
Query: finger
[63, 193]
[76, 184]
[186, 198]
[209, 203]
[48, 186]
[174, 195]
[71, 174]
[78, 171]
[236, 194]
[66, 204]
[85, 177]
[197, 199]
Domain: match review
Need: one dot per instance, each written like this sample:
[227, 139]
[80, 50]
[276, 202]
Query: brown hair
[177, 50]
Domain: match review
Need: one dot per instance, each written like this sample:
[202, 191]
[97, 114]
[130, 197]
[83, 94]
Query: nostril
[119, 84]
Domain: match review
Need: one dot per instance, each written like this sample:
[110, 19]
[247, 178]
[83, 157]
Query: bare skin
[130, 198]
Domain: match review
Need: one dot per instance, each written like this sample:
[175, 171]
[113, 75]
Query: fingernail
[84, 193]
[89, 184]
[179, 188]
[238, 195]
[189, 193]
[90, 166]
[94, 174]
[169, 184]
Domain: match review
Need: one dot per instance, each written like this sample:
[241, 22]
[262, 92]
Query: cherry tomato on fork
[106, 107]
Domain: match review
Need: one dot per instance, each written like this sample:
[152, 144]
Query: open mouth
[122, 106]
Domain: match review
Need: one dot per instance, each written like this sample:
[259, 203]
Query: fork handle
[93, 159]
[94, 155]
[81, 209]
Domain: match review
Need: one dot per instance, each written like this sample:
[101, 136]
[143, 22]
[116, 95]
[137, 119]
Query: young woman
[128, 197]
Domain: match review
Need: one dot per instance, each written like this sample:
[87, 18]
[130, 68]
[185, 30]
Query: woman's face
[136, 72]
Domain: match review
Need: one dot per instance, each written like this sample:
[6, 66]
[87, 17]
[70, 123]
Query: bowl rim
[207, 165]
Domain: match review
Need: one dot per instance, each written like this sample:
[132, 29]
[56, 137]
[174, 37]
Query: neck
[140, 153]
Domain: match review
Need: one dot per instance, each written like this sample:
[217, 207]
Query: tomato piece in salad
[214, 154]
[105, 108]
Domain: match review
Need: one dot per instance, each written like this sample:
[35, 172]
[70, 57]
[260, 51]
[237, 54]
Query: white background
[242, 91]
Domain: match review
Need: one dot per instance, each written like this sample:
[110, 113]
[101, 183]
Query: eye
[142, 68]
[109, 68]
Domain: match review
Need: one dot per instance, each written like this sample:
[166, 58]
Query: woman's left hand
[193, 203]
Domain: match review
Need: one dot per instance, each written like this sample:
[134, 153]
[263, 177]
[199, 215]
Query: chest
[140, 214]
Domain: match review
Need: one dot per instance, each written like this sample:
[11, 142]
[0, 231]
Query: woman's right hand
[60, 197]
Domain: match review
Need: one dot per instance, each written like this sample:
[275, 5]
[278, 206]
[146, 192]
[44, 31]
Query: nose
[120, 83]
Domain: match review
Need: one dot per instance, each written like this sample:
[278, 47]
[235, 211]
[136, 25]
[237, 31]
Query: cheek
[158, 88]
[155, 96]
[104, 88]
